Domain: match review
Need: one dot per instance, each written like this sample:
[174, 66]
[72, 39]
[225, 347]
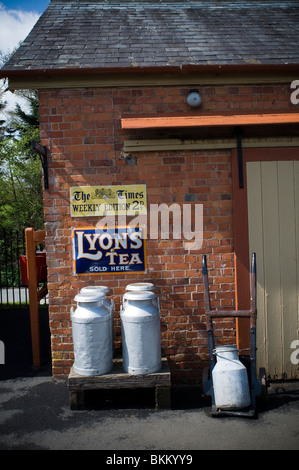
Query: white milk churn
[109, 304]
[141, 335]
[230, 380]
[92, 335]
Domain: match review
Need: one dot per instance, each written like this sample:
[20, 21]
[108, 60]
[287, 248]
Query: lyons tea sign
[109, 251]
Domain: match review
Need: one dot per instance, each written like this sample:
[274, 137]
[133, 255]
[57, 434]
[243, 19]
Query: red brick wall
[81, 127]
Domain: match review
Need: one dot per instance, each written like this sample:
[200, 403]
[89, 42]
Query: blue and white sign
[109, 251]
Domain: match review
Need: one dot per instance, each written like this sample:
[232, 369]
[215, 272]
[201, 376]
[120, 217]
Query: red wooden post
[32, 238]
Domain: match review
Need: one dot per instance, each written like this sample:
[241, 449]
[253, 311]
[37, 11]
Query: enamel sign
[92, 201]
[109, 251]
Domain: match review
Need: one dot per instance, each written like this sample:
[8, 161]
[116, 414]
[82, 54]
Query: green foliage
[20, 169]
[21, 203]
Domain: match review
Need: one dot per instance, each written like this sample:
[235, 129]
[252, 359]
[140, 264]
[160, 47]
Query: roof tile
[117, 33]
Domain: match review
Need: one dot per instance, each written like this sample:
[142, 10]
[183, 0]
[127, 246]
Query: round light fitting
[194, 99]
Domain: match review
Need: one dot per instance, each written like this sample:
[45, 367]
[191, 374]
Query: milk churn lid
[90, 297]
[89, 289]
[139, 295]
[225, 348]
[137, 286]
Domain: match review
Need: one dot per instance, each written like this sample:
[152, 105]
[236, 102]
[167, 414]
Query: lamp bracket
[43, 153]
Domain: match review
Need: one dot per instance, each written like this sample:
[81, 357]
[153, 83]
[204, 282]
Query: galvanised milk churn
[92, 335]
[230, 380]
[141, 335]
[109, 304]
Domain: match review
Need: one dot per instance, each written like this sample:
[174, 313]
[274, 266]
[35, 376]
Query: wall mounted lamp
[194, 99]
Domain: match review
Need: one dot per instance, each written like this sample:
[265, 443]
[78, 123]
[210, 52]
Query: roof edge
[182, 69]
[151, 76]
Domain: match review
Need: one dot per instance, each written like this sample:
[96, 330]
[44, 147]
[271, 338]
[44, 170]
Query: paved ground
[35, 414]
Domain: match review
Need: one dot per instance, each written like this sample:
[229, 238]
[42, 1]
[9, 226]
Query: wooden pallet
[118, 379]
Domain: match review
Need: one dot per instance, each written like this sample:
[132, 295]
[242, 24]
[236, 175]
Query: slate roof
[154, 33]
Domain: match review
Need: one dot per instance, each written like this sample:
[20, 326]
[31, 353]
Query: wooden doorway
[267, 220]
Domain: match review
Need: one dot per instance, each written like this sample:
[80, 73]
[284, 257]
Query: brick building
[113, 80]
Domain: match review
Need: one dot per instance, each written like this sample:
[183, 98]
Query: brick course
[81, 127]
